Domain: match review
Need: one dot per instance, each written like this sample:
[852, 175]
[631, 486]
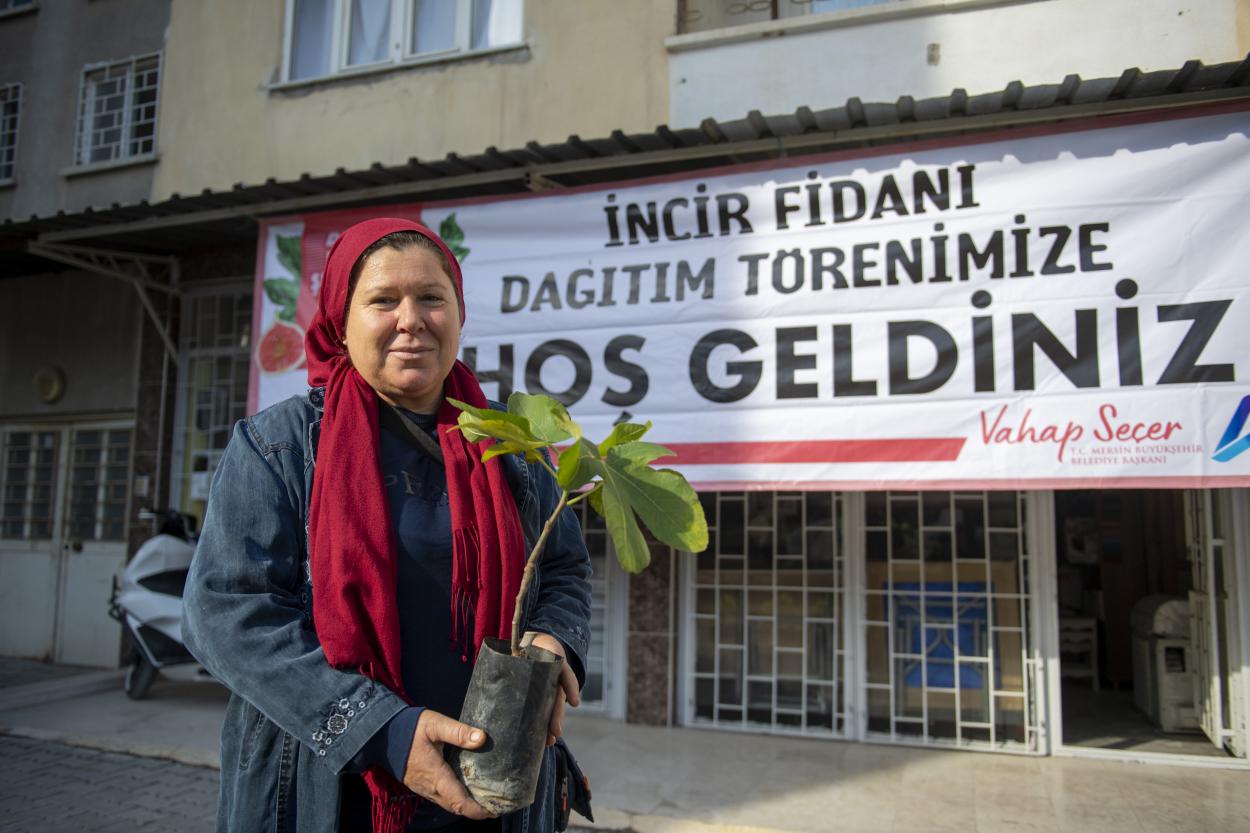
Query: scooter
[147, 600]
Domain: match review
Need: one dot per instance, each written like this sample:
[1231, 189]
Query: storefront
[963, 413]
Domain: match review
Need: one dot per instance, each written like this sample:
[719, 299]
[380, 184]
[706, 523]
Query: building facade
[904, 611]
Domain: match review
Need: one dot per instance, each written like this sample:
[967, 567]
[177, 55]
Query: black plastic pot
[510, 698]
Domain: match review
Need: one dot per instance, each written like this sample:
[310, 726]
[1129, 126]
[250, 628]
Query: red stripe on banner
[941, 449]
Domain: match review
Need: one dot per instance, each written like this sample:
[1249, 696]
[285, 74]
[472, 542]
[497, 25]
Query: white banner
[1058, 310]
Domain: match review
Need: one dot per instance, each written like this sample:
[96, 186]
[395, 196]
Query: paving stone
[50, 787]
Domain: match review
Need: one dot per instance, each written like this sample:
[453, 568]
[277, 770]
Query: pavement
[97, 761]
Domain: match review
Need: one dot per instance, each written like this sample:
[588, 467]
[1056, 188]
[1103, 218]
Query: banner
[1055, 310]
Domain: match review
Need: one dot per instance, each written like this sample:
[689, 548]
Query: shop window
[947, 639]
[117, 107]
[212, 388]
[703, 15]
[767, 648]
[330, 37]
[10, 108]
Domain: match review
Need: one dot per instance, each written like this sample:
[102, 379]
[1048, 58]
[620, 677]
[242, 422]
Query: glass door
[1213, 616]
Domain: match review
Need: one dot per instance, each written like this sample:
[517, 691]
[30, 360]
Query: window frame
[83, 118]
[181, 465]
[17, 129]
[400, 54]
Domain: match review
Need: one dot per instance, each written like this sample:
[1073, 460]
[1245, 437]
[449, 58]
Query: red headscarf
[350, 536]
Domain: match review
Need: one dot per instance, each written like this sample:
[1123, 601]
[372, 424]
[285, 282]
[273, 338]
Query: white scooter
[147, 600]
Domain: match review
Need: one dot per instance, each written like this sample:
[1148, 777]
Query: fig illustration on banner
[453, 236]
[281, 348]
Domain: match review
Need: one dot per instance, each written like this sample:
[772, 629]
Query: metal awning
[182, 224]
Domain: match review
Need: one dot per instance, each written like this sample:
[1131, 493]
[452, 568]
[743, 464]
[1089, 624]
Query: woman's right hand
[429, 776]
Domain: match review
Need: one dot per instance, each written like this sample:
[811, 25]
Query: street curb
[617, 821]
[49, 691]
[178, 756]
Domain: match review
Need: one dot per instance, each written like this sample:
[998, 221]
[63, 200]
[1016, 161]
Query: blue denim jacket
[294, 723]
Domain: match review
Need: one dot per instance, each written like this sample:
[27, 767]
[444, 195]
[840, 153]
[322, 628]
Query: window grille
[99, 484]
[212, 388]
[767, 603]
[117, 110]
[29, 477]
[328, 37]
[702, 15]
[10, 108]
[598, 657]
[947, 633]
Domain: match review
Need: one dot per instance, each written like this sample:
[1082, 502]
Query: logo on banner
[1229, 445]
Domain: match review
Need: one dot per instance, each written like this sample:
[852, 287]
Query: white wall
[882, 52]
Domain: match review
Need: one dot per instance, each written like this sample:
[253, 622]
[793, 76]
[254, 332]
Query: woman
[346, 576]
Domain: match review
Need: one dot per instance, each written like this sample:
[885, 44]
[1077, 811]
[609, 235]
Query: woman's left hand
[569, 690]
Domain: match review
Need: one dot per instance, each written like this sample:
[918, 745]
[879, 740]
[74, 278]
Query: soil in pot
[510, 698]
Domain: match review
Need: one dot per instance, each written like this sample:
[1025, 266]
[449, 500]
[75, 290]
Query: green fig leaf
[548, 419]
[623, 432]
[664, 501]
[573, 474]
[285, 293]
[281, 291]
[642, 453]
[289, 255]
[621, 522]
[596, 498]
[453, 236]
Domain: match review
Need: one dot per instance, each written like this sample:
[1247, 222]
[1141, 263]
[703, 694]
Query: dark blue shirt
[435, 671]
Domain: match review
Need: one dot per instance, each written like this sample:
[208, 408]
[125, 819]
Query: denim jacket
[294, 723]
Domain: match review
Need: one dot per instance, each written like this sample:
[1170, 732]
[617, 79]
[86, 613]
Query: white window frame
[400, 55]
[179, 475]
[14, 89]
[84, 117]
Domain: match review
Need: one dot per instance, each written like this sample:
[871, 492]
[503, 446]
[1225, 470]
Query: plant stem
[585, 495]
[528, 576]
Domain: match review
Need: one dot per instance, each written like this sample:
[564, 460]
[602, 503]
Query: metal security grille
[766, 603]
[99, 484]
[212, 387]
[117, 110]
[705, 15]
[593, 530]
[29, 477]
[10, 109]
[947, 628]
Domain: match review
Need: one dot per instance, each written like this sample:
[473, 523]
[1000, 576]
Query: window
[702, 15]
[212, 387]
[29, 475]
[766, 607]
[15, 5]
[117, 111]
[10, 105]
[949, 653]
[327, 37]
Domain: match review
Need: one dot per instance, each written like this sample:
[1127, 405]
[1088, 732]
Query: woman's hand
[429, 776]
[569, 690]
